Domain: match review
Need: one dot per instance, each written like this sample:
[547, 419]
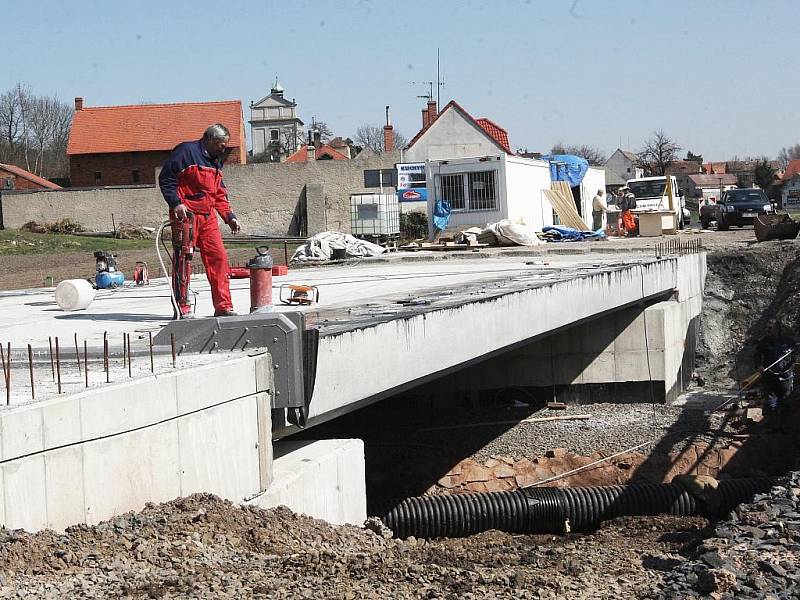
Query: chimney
[311, 153]
[424, 118]
[388, 133]
[78, 103]
[433, 114]
[317, 139]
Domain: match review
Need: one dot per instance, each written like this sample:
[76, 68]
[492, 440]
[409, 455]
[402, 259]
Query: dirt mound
[204, 547]
[743, 288]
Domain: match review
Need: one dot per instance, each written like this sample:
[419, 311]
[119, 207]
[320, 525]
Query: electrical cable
[163, 267]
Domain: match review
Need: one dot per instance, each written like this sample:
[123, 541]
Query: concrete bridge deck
[384, 326]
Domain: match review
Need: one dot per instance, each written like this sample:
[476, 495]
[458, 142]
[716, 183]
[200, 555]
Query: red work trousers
[208, 240]
[628, 222]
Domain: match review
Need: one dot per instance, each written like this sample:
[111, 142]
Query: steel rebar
[86, 363]
[152, 364]
[105, 359]
[172, 343]
[58, 366]
[6, 371]
[8, 376]
[129, 355]
[52, 362]
[30, 369]
[77, 353]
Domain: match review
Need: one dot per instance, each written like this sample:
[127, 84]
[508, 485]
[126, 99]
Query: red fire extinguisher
[260, 280]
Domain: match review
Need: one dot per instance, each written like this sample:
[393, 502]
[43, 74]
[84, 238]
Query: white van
[651, 193]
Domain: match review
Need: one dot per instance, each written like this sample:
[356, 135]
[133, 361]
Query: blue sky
[718, 76]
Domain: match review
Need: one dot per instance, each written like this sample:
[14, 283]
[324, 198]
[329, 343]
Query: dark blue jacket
[192, 177]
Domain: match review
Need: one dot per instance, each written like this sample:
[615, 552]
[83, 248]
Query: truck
[651, 193]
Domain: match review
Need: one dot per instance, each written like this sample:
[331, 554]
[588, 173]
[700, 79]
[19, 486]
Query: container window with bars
[476, 190]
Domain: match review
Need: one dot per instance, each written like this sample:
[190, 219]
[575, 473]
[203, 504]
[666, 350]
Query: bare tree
[594, 156]
[34, 131]
[658, 152]
[371, 136]
[50, 120]
[11, 124]
[787, 154]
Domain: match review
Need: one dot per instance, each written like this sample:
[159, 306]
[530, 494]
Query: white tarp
[321, 246]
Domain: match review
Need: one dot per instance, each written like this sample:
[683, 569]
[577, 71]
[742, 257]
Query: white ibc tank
[74, 294]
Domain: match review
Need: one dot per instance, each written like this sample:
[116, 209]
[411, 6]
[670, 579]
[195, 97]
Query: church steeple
[277, 88]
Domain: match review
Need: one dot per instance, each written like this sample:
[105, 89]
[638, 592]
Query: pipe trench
[556, 510]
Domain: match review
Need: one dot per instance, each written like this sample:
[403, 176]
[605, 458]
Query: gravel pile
[755, 554]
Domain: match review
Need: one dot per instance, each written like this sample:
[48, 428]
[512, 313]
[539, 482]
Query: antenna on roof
[439, 83]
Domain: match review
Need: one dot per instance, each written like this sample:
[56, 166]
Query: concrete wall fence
[269, 198]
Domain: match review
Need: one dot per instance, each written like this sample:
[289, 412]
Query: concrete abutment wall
[84, 458]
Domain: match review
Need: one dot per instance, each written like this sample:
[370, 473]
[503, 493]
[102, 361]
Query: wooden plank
[565, 209]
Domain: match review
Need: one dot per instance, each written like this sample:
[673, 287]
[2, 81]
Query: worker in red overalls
[191, 183]
[626, 205]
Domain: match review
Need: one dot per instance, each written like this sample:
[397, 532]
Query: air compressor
[107, 275]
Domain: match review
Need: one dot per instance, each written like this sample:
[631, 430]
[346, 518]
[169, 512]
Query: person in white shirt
[599, 209]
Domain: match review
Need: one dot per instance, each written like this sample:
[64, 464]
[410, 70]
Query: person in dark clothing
[777, 380]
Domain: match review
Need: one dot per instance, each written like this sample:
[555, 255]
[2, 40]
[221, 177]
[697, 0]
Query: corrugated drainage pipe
[554, 510]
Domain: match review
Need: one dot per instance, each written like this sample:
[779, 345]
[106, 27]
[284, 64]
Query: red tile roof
[492, 129]
[791, 169]
[499, 134]
[302, 155]
[148, 127]
[20, 172]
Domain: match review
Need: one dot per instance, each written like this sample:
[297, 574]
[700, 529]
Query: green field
[15, 242]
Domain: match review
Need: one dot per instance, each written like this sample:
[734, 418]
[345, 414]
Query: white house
[275, 128]
[620, 167]
[450, 134]
[454, 133]
[790, 192]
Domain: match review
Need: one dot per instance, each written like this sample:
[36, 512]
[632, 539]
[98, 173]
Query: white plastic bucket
[74, 294]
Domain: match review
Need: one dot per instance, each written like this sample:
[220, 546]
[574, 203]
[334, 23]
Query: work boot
[228, 312]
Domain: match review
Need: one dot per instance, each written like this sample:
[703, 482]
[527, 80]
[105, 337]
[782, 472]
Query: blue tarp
[568, 234]
[441, 214]
[567, 167]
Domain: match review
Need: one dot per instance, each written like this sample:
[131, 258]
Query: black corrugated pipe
[555, 510]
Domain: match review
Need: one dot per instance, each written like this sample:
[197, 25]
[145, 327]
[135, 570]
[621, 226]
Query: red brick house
[13, 177]
[123, 145]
